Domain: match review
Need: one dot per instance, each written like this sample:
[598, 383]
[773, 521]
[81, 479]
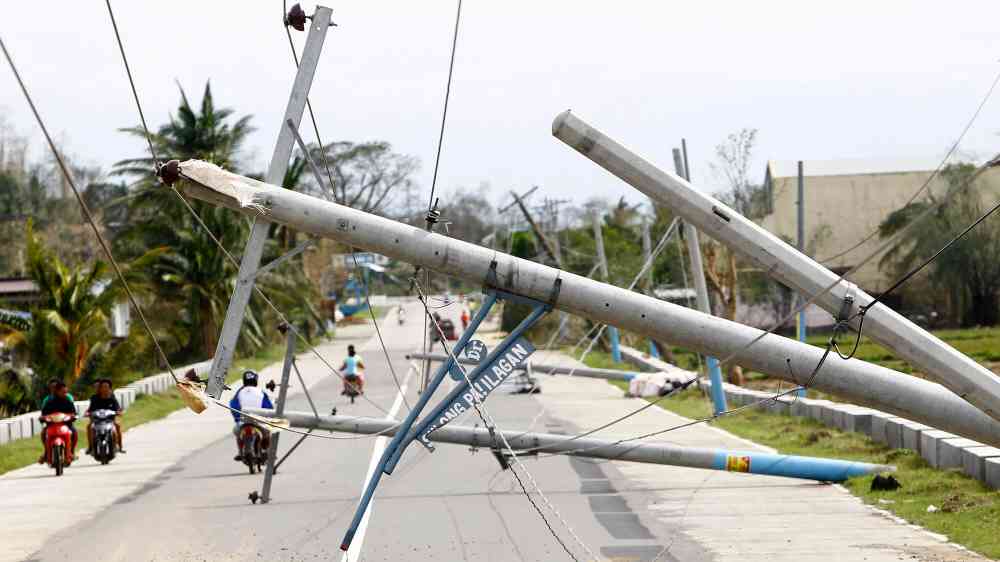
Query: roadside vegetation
[965, 510]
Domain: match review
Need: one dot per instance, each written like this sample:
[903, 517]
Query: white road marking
[354, 551]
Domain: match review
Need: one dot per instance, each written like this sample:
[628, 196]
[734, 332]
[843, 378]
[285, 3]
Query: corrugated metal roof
[850, 167]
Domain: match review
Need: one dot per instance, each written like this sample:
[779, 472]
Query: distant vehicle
[103, 448]
[252, 453]
[58, 441]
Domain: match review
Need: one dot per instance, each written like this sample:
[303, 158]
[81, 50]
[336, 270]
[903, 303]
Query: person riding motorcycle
[248, 396]
[45, 400]
[352, 368]
[61, 403]
[401, 315]
[105, 399]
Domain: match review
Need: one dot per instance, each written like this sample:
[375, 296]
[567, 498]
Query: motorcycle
[58, 441]
[352, 388]
[253, 453]
[401, 316]
[104, 447]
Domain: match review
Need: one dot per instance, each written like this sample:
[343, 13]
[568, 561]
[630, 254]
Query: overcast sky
[850, 79]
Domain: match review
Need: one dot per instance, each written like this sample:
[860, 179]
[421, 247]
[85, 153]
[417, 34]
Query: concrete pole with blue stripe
[701, 289]
[602, 259]
[647, 249]
[800, 323]
[752, 462]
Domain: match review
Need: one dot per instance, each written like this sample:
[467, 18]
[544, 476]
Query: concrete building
[845, 200]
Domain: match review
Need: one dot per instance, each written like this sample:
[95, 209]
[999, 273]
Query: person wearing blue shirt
[248, 396]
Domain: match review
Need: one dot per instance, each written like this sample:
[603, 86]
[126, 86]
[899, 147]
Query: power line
[491, 425]
[444, 113]
[88, 215]
[933, 175]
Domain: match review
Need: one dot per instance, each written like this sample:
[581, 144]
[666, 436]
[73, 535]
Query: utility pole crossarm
[854, 380]
[918, 347]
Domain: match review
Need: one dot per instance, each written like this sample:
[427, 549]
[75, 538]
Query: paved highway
[178, 495]
[454, 504]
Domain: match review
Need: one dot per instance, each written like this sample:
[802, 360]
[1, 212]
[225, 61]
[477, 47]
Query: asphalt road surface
[453, 504]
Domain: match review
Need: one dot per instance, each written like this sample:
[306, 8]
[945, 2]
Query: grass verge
[146, 408]
[966, 510]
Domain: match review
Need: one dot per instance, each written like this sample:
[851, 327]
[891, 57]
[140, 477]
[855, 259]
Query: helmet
[249, 378]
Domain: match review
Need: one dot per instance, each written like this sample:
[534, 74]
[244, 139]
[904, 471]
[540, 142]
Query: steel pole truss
[918, 347]
[272, 453]
[777, 356]
[254, 249]
[753, 462]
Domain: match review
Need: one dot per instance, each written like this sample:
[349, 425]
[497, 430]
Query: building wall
[842, 210]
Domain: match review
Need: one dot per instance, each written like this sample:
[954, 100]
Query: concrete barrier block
[950, 451]
[830, 415]
[878, 428]
[27, 428]
[799, 408]
[910, 433]
[816, 408]
[14, 428]
[855, 419]
[930, 441]
[4, 432]
[893, 432]
[993, 473]
[974, 460]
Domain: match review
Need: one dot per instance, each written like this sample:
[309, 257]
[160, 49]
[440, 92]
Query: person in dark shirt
[61, 403]
[105, 399]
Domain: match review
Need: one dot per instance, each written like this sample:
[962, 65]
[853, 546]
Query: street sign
[475, 351]
[485, 378]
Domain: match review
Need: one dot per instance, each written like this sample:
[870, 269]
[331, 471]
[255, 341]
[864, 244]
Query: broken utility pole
[854, 380]
[753, 462]
[953, 369]
[254, 249]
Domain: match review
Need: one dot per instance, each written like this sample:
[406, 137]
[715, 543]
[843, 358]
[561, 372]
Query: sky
[852, 79]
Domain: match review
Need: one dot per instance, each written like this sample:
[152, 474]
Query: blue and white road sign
[476, 351]
[485, 379]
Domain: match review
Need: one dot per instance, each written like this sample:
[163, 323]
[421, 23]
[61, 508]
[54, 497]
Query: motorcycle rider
[61, 403]
[105, 399]
[401, 314]
[351, 369]
[248, 396]
[45, 400]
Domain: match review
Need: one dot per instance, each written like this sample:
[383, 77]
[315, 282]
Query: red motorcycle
[58, 441]
[254, 446]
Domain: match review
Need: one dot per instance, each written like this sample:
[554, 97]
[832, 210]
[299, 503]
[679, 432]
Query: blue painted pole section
[789, 466]
[653, 352]
[616, 352]
[396, 446]
[715, 387]
[801, 328]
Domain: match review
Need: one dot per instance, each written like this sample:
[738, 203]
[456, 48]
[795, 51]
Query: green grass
[967, 509]
[146, 408]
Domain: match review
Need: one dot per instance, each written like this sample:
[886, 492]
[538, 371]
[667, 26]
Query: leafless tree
[366, 176]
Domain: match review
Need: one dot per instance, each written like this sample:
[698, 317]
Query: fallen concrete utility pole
[786, 264]
[777, 356]
[584, 372]
[753, 462]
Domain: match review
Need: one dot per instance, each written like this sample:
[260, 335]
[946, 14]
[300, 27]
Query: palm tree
[69, 323]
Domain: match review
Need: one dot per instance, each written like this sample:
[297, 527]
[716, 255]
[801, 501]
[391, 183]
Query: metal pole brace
[492, 283]
[485, 377]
